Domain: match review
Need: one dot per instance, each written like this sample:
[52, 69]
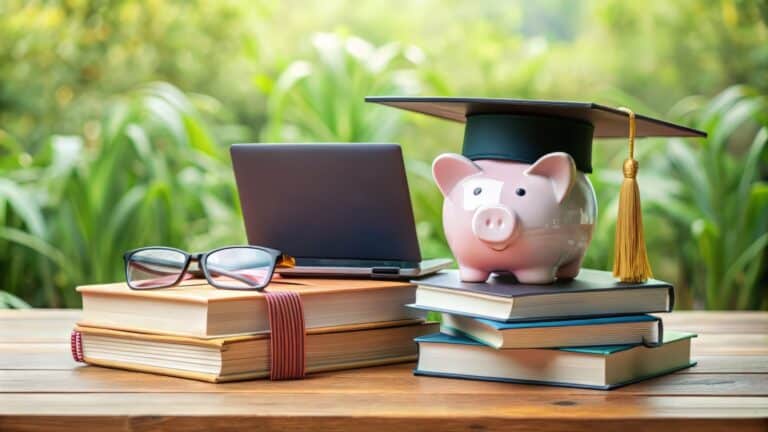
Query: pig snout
[495, 225]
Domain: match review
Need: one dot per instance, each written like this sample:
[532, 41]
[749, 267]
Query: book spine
[660, 332]
[671, 299]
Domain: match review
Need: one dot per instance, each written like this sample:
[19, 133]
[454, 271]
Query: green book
[596, 367]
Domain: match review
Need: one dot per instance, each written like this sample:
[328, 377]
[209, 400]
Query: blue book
[592, 293]
[596, 367]
[617, 330]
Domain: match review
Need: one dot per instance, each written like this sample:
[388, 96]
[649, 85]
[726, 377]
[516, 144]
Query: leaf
[36, 244]
[706, 234]
[168, 93]
[140, 140]
[168, 117]
[734, 118]
[752, 252]
[67, 153]
[722, 103]
[24, 205]
[198, 136]
[756, 213]
[9, 300]
[749, 172]
[120, 218]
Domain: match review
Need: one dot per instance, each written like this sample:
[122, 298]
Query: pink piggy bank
[532, 220]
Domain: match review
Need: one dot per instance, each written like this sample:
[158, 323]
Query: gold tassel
[630, 259]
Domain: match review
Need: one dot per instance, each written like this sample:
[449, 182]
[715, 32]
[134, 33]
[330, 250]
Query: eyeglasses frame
[278, 260]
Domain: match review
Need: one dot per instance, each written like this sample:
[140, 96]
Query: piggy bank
[532, 220]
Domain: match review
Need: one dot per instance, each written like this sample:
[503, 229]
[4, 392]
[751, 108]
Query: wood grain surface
[42, 388]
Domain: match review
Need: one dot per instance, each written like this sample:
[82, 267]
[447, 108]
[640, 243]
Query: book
[197, 309]
[247, 357]
[619, 330]
[592, 293]
[598, 367]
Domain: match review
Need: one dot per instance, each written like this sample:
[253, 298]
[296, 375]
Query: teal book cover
[603, 351]
[502, 326]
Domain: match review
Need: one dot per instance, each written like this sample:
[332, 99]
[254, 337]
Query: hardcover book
[197, 309]
[247, 357]
[593, 293]
[620, 330]
[598, 367]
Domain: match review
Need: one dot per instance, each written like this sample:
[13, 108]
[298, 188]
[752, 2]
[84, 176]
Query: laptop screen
[327, 201]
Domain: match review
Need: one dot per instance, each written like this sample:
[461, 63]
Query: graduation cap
[524, 130]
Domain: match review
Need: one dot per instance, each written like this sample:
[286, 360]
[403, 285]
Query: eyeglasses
[231, 267]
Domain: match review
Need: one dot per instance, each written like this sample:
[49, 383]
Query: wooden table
[42, 388]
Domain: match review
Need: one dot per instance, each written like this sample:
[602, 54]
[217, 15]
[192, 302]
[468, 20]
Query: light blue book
[596, 367]
[617, 330]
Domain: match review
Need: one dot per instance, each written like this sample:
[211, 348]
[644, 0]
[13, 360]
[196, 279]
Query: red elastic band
[76, 344]
[286, 322]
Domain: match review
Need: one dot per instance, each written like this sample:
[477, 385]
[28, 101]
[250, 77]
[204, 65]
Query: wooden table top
[41, 387]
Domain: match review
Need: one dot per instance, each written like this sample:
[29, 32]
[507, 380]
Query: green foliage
[60, 61]
[320, 99]
[93, 161]
[720, 204]
[149, 173]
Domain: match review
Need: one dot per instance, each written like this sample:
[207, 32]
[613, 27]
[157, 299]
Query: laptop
[338, 209]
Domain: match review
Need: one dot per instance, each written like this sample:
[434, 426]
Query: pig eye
[477, 191]
[519, 192]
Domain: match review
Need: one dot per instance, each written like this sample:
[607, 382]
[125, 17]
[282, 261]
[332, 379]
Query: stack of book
[200, 332]
[590, 332]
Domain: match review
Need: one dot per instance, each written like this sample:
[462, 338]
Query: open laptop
[338, 209]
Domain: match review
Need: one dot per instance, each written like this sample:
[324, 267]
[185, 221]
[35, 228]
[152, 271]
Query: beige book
[199, 310]
[247, 357]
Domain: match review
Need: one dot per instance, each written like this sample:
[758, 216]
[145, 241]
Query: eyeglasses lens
[239, 268]
[154, 268]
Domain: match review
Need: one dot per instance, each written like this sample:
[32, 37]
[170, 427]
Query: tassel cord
[630, 256]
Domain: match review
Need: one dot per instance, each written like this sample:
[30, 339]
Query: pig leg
[541, 275]
[569, 270]
[473, 275]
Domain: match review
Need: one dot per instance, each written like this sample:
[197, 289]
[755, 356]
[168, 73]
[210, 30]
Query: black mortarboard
[524, 130]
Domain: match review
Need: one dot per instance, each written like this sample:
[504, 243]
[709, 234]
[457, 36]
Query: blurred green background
[116, 117]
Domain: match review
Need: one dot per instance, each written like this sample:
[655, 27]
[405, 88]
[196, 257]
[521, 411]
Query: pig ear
[449, 169]
[559, 168]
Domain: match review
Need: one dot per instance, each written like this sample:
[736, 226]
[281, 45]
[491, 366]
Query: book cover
[247, 357]
[601, 329]
[644, 355]
[199, 291]
[197, 309]
[503, 286]
[602, 350]
[502, 294]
